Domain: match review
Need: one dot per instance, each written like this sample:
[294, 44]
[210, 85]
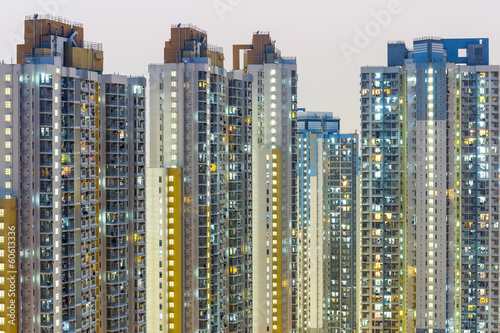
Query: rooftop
[189, 25]
[419, 39]
[59, 19]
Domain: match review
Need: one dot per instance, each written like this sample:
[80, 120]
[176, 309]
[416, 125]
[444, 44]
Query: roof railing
[53, 18]
[192, 26]
[398, 42]
[427, 38]
[215, 48]
[92, 45]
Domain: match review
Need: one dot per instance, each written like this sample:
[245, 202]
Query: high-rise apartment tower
[221, 203]
[73, 167]
[428, 228]
[327, 178]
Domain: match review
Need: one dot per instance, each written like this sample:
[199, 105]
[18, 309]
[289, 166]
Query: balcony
[46, 240]
[46, 293]
[46, 227]
[68, 251]
[47, 321]
[46, 280]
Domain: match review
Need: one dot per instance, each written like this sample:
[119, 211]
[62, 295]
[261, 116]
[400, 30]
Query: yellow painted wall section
[216, 58]
[175, 250]
[84, 58]
[277, 241]
[42, 52]
[8, 265]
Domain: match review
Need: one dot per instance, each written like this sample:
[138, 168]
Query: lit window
[2, 307]
[7, 144]
[2, 280]
[8, 185]
[173, 94]
[174, 105]
[8, 91]
[2, 267]
[2, 212]
[8, 171]
[173, 84]
[8, 104]
[2, 320]
[2, 253]
[8, 158]
[7, 131]
[8, 77]
[8, 118]
[2, 293]
[173, 73]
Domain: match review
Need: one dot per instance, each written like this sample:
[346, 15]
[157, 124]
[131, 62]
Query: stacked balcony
[139, 211]
[117, 205]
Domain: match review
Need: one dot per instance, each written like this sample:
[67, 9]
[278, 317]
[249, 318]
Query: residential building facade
[201, 182]
[199, 189]
[327, 178]
[428, 256]
[55, 159]
[274, 180]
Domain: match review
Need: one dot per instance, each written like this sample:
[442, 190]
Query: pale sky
[133, 34]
